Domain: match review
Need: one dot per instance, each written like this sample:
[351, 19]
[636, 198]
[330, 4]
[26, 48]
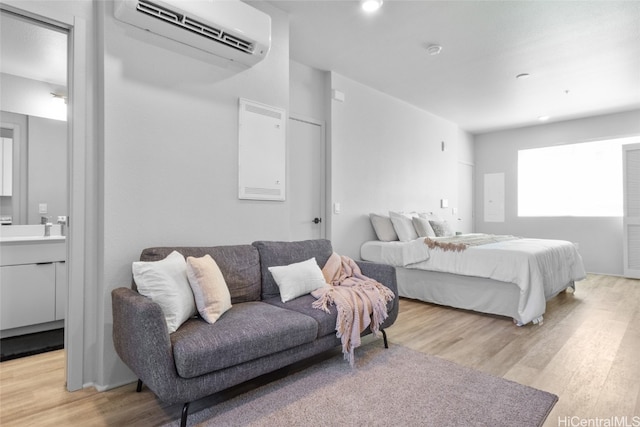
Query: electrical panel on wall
[261, 151]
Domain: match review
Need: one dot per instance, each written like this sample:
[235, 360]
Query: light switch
[444, 203]
[42, 208]
[337, 95]
[336, 208]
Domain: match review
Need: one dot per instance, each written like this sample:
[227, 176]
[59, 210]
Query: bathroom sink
[27, 244]
[16, 233]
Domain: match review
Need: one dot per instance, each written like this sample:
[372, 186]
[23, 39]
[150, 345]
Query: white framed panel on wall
[261, 151]
[494, 197]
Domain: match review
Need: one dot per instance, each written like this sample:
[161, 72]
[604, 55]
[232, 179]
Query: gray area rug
[395, 386]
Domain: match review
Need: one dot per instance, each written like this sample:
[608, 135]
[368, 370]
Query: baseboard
[106, 387]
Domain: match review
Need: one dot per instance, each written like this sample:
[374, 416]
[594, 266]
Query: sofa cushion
[326, 321]
[239, 264]
[284, 253]
[246, 332]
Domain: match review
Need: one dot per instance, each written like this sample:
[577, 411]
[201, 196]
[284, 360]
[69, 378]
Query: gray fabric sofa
[259, 334]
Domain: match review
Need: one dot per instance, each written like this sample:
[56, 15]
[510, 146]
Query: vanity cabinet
[33, 284]
[27, 294]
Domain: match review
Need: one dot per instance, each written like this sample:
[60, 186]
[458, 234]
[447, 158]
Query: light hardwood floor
[587, 352]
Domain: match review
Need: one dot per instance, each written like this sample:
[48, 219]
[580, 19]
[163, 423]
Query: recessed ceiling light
[433, 49]
[370, 5]
[543, 118]
[523, 76]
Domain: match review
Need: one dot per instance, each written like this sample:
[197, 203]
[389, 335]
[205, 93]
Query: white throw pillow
[422, 226]
[166, 283]
[404, 226]
[383, 227]
[297, 279]
[209, 287]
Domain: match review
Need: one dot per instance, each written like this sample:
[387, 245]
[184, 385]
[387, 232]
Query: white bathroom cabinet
[27, 294]
[33, 285]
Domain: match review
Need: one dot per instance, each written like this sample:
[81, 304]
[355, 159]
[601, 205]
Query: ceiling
[32, 51]
[583, 57]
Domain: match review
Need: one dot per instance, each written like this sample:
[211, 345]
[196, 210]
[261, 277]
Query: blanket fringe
[456, 247]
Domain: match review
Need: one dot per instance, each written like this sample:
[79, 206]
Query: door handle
[317, 220]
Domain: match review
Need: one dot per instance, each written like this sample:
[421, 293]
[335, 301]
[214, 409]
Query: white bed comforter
[539, 267]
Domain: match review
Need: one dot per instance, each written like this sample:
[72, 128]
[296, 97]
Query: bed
[503, 275]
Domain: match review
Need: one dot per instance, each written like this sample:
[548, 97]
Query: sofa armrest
[385, 274]
[141, 337]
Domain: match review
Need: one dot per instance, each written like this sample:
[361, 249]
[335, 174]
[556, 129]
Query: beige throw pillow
[209, 287]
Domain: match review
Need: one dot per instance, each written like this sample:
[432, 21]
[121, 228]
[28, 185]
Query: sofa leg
[384, 337]
[139, 387]
[185, 412]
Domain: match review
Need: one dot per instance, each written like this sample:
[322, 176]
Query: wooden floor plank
[587, 351]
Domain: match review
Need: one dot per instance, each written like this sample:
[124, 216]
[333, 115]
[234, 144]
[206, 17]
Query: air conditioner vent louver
[234, 31]
[194, 26]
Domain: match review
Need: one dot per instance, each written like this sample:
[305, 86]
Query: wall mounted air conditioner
[227, 28]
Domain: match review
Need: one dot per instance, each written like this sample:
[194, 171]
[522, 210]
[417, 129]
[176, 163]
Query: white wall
[599, 239]
[169, 161]
[386, 155]
[307, 91]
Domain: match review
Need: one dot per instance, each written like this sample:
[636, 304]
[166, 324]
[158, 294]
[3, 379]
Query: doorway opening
[34, 203]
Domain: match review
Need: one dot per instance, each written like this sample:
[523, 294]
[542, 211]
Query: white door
[306, 178]
[631, 219]
[464, 217]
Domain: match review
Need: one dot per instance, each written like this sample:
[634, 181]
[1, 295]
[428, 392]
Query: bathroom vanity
[33, 279]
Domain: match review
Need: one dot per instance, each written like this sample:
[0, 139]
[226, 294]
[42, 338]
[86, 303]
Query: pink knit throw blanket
[360, 301]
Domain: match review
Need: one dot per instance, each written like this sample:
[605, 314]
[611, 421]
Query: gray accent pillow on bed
[441, 228]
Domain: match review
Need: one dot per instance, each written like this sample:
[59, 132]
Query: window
[572, 180]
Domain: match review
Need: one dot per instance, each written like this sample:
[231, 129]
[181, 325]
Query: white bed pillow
[403, 226]
[422, 226]
[297, 279]
[383, 227]
[430, 216]
[166, 283]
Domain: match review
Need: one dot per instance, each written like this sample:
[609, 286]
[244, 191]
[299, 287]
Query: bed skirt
[465, 292]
